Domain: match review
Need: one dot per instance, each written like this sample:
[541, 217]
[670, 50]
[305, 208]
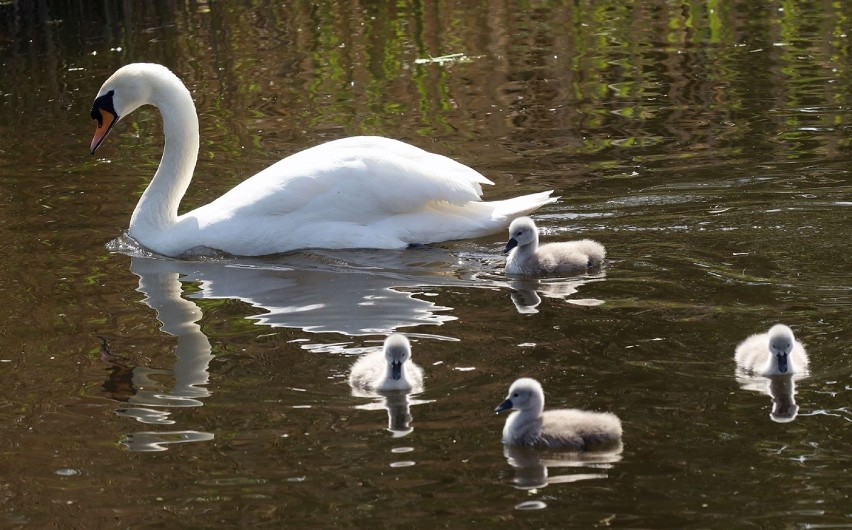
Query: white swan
[531, 426]
[776, 352]
[527, 258]
[359, 192]
[389, 369]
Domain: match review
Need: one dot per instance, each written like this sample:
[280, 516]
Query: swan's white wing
[357, 179]
[365, 192]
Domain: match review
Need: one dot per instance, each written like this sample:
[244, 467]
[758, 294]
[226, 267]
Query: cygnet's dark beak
[512, 243]
[506, 405]
[782, 362]
[396, 371]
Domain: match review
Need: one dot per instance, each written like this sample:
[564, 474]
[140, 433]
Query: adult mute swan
[531, 426]
[529, 259]
[776, 352]
[359, 192]
[389, 369]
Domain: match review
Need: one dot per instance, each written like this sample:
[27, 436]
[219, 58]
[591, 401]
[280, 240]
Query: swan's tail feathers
[518, 206]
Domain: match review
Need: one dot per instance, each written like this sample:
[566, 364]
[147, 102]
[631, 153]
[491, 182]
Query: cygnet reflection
[533, 467]
[150, 441]
[389, 377]
[780, 388]
[397, 404]
[527, 293]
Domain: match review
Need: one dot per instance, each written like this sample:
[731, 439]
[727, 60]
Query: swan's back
[388, 175]
[360, 192]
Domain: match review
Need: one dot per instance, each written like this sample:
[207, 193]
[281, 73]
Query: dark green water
[707, 145]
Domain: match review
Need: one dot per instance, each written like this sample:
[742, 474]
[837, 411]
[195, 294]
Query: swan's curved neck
[157, 209]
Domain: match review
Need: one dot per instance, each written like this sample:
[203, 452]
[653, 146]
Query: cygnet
[527, 258]
[531, 426]
[389, 369]
[776, 352]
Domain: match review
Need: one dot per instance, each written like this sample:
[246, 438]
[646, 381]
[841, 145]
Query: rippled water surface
[707, 145]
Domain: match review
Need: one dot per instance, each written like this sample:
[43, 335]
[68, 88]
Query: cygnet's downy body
[389, 369]
[776, 352]
[531, 426]
[528, 259]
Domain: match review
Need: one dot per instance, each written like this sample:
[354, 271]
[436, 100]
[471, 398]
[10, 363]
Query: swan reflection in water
[347, 292]
[527, 293]
[140, 387]
[780, 388]
[533, 467]
[353, 293]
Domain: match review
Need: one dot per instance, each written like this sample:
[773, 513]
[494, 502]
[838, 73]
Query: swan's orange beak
[105, 123]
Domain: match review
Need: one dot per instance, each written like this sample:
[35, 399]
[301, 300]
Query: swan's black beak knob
[104, 113]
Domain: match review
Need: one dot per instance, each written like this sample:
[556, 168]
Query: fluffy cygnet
[776, 352]
[527, 258]
[529, 425]
[389, 369]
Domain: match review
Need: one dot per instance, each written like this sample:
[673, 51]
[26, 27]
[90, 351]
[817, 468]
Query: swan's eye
[515, 394]
[103, 103]
[518, 233]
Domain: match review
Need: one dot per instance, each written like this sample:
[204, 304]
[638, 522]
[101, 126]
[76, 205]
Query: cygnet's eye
[515, 394]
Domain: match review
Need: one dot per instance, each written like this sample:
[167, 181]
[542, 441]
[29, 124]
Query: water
[706, 145]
